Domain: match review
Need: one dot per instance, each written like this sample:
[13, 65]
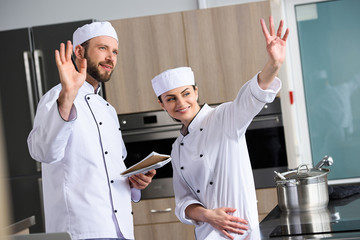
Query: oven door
[147, 132]
[267, 150]
[161, 186]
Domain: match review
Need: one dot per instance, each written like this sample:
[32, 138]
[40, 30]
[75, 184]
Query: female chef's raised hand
[275, 44]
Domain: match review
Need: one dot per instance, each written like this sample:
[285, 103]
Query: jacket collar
[87, 88]
[198, 119]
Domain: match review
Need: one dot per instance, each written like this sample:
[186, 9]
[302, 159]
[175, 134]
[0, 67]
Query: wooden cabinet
[224, 46]
[267, 200]
[155, 219]
[147, 46]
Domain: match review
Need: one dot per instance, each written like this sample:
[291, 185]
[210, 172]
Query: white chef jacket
[82, 159]
[211, 163]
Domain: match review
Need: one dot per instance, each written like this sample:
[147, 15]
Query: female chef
[212, 175]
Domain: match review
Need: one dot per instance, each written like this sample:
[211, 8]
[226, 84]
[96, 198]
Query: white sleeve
[50, 134]
[183, 198]
[238, 114]
[135, 195]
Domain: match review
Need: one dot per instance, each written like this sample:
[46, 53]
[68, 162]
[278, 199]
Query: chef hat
[172, 78]
[95, 29]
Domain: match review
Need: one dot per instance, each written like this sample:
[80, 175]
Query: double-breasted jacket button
[201, 155]
[182, 168]
[181, 144]
[198, 191]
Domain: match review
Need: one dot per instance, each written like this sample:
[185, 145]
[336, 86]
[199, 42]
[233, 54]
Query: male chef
[77, 138]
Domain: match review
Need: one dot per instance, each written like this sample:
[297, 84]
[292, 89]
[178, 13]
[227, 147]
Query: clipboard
[153, 161]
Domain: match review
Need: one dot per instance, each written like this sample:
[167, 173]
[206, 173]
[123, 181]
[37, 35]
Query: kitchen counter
[340, 220]
[21, 227]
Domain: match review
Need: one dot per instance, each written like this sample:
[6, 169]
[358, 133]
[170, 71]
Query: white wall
[25, 13]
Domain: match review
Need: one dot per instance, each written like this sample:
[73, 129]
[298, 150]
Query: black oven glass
[266, 147]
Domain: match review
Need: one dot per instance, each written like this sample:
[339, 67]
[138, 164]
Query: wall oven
[156, 131]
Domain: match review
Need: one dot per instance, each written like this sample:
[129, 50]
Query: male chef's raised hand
[141, 181]
[71, 80]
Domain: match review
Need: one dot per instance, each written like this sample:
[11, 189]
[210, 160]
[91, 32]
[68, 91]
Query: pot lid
[304, 172]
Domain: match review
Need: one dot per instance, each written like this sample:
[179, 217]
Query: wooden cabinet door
[155, 219]
[173, 231]
[267, 200]
[225, 48]
[159, 210]
[147, 46]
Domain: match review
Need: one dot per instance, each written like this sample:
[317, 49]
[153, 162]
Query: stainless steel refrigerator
[27, 71]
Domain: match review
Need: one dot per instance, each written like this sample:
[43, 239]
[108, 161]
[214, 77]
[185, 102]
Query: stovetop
[316, 228]
[341, 216]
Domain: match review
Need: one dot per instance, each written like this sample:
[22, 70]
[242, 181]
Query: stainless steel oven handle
[149, 131]
[266, 118]
[166, 210]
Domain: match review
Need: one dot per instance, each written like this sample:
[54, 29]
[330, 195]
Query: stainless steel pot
[304, 188]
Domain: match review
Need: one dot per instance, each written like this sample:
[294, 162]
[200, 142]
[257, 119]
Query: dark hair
[85, 44]
[159, 97]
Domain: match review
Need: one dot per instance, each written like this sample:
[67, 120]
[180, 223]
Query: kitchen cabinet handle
[27, 56]
[166, 210]
[37, 59]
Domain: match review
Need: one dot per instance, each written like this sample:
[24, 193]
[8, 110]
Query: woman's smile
[182, 110]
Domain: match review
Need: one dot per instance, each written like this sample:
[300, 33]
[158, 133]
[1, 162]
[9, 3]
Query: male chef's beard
[93, 71]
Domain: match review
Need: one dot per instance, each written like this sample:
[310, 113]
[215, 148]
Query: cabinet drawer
[150, 211]
[173, 231]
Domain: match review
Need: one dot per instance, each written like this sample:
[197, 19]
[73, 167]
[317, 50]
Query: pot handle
[282, 183]
[301, 166]
[326, 161]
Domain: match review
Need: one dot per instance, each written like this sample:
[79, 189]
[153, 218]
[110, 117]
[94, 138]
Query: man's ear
[79, 52]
